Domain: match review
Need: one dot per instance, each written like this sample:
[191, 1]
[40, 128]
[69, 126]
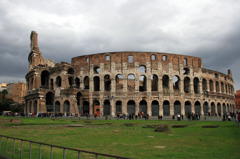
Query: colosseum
[126, 83]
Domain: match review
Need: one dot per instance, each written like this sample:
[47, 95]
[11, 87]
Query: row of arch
[219, 87]
[177, 107]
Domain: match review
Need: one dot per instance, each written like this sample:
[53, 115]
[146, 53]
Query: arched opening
[155, 108]
[205, 108]
[58, 81]
[204, 85]
[49, 101]
[77, 82]
[217, 86]
[211, 85]
[222, 87]
[142, 69]
[45, 79]
[188, 108]
[176, 83]
[85, 108]
[196, 85]
[57, 107]
[35, 108]
[142, 83]
[66, 107]
[70, 82]
[186, 71]
[131, 107]
[165, 82]
[97, 70]
[96, 108]
[154, 79]
[227, 108]
[119, 82]
[213, 108]
[224, 109]
[107, 83]
[166, 108]
[187, 85]
[143, 107]
[118, 107]
[86, 82]
[177, 108]
[106, 107]
[79, 102]
[70, 71]
[197, 107]
[96, 81]
[219, 109]
[131, 82]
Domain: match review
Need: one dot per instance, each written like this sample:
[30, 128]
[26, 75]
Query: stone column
[136, 83]
[200, 87]
[182, 107]
[181, 87]
[102, 83]
[149, 107]
[171, 108]
[160, 102]
[113, 108]
[136, 107]
[124, 106]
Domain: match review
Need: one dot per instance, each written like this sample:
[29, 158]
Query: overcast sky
[209, 29]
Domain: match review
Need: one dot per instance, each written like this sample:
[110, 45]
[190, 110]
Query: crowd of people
[190, 116]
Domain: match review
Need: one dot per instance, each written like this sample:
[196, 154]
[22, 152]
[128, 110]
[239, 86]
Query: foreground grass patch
[129, 138]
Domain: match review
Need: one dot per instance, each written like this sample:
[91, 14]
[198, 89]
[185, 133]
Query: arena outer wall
[126, 83]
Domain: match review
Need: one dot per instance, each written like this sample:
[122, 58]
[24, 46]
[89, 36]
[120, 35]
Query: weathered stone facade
[126, 82]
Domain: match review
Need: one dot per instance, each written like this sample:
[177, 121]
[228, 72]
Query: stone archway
[197, 107]
[155, 108]
[143, 107]
[166, 108]
[131, 107]
[177, 108]
[118, 107]
[106, 107]
[188, 108]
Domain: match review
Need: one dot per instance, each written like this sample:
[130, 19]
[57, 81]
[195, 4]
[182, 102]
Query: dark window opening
[142, 83]
[154, 79]
[107, 83]
[97, 70]
[187, 85]
[86, 82]
[58, 81]
[186, 71]
[165, 82]
[70, 71]
[96, 81]
[77, 82]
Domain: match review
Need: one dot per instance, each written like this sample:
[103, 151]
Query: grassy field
[113, 137]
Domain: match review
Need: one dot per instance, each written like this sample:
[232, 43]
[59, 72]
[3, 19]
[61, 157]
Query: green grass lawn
[134, 141]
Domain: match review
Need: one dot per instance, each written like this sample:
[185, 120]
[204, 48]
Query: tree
[4, 93]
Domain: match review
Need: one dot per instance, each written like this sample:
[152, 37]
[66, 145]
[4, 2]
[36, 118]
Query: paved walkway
[166, 118]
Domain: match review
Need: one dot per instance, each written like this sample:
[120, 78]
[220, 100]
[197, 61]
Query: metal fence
[22, 149]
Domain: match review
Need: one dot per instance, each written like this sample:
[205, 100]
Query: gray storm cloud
[206, 29]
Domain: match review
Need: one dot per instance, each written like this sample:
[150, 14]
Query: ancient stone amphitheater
[126, 83]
